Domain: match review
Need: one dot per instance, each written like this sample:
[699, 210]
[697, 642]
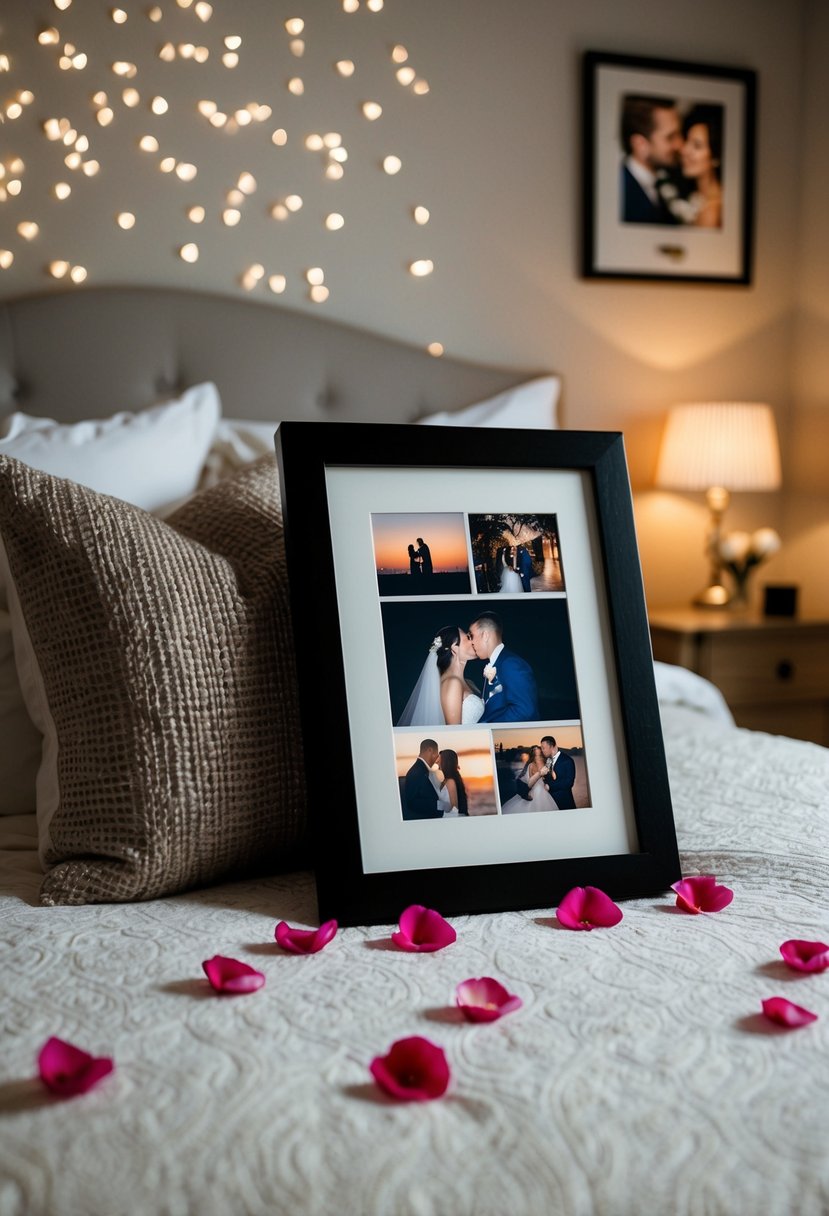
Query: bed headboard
[89, 353]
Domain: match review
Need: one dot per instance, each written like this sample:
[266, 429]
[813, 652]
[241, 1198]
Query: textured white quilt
[637, 1079]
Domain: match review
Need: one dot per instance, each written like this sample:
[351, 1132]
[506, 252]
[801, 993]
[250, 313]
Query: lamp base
[715, 596]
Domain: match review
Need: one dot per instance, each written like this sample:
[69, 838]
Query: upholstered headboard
[87, 353]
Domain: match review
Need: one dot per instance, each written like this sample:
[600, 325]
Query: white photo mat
[607, 827]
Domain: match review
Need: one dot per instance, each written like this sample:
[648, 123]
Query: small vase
[740, 598]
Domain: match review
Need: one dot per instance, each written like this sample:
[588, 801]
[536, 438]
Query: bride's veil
[423, 707]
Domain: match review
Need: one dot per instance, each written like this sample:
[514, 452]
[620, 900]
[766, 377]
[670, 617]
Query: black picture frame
[681, 233]
[336, 481]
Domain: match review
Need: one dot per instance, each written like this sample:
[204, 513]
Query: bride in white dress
[540, 797]
[510, 578]
[443, 696]
[452, 794]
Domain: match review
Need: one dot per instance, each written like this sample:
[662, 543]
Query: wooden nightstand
[772, 671]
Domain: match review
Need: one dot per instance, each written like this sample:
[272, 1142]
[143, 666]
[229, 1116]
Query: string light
[125, 220]
[77, 274]
[204, 11]
[231, 217]
[189, 252]
[280, 137]
[148, 143]
[118, 15]
[296, 86]
[293, 202]
[435, 349]
[294, 25]
[159, 105]
[345, 67]
[392, 165]
[421, 268]
[155, 13]
[405, 75]
[334, 221]
[61, 190]
[28, 229]
[233, 42]
[297, 47]
[131, 97]
[6, 258]
[230, 59]
[196, 214]
[421, 215]
[49, 36]
[276, 282]
[372, 110]
[319, 293]
[315, 276]
[399, 53]
[185, 171]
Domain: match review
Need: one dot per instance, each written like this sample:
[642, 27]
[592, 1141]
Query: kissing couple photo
[440, 782]
[446, 695]
[482, 663]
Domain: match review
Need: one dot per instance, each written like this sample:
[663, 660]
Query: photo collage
[479, 662]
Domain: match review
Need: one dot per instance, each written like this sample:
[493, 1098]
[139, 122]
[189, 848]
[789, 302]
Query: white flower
[764, 542]
[735, 546]
[436, 644]
[489, 673]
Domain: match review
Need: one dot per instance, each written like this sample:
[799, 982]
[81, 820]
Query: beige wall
[493, 150]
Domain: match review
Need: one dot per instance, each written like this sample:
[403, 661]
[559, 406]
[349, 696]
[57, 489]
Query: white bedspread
[637, 1079]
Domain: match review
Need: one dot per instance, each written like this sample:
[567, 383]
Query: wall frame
[354, 497]
[668, 169]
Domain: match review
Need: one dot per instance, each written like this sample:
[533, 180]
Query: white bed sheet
[637, 1079]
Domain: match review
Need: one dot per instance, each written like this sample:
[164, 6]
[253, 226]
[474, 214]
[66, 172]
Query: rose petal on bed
[415, 1070]
[786, 1013]
[305, 941]
[422, 929]
[67, 1070]
[805, 956]
[485, 999]
[701, 893]
[229, 975]
[587, 908]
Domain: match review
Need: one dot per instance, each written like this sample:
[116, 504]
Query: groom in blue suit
[510, 693]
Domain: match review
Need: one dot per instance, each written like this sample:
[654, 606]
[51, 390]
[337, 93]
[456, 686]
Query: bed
[638, 1077]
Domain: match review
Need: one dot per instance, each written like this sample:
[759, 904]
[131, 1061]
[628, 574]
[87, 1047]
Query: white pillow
[529, 406]
[152, 459]
[236, 443]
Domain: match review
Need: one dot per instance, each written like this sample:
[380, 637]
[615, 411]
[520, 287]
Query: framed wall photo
[480, 728]
[668, 169]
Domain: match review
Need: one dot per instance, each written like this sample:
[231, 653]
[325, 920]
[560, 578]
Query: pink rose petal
[414, 1070]
[484, 999]
[701, 894]
[305, 941]
[228, 975]
[805, 956]
[67, 1071]
[786, 1013]
[587, 908]
[423, 929]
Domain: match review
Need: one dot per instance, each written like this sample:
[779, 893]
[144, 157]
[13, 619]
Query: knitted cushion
[157, 659]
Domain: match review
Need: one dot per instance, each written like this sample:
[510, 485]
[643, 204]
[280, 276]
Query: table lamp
[719, 446]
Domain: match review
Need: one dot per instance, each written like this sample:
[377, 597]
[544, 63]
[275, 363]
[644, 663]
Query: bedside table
[772, 671]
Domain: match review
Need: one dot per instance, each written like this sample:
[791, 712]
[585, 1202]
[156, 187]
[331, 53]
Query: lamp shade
[732, 444]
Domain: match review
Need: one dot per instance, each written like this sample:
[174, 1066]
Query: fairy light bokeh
[286, 133]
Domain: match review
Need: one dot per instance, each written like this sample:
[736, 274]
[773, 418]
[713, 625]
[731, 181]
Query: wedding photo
[445, 776]
[541, 770]
[420, 553]
[468, 662]
[515, 554]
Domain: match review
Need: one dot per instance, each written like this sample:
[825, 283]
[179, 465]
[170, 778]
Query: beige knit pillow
[159, 665]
